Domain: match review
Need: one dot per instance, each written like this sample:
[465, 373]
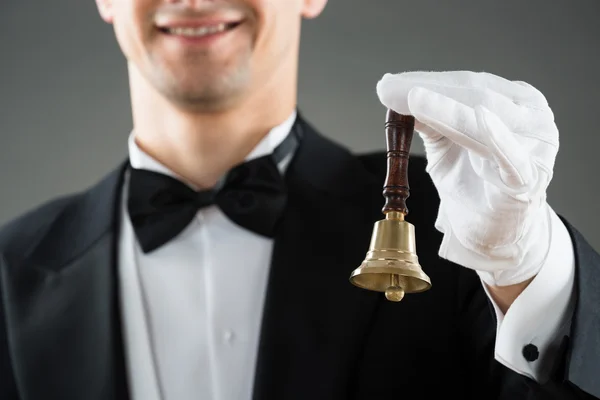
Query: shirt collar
[141, 160]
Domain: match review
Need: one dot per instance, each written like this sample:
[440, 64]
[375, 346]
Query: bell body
[391, 265]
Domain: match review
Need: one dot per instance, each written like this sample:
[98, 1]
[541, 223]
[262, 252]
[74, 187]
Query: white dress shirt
[192, 309]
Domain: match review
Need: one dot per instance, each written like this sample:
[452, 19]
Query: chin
[207, 93]
[203, 99]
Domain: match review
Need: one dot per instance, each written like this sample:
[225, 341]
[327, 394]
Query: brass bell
[392, 265]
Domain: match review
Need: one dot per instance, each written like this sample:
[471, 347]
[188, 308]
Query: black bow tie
[252, 195]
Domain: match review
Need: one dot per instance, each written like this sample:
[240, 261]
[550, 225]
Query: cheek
[277, 24]
[131, 27]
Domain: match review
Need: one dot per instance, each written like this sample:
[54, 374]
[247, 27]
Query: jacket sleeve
[576, 372]
[580, 366]
[8, 388]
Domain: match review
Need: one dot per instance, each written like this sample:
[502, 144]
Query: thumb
[393, 95]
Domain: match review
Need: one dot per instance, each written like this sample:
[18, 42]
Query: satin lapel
[314, 320]
[61, 305]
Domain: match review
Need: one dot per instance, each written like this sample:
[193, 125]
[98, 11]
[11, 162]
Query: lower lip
[200, 40]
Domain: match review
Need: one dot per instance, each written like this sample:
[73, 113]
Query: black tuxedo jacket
[321, 339]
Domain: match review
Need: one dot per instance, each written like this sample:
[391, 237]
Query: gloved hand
[491, 146]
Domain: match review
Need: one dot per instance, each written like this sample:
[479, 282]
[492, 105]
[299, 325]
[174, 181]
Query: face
[208, 53]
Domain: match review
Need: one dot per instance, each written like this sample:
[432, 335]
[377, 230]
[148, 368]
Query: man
[214, 263]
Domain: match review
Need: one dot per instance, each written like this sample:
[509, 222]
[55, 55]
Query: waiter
[214, 262]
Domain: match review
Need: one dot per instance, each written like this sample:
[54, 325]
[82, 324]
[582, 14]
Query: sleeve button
[531, 352]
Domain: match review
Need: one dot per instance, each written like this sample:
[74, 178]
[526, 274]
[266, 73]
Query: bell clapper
[394, 292]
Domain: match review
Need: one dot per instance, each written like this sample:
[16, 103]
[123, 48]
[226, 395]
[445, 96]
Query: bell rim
[418, 275]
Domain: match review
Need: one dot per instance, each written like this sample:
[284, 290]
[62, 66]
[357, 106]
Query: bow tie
[251, 194]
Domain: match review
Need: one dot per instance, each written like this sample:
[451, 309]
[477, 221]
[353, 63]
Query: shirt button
[228, 336]
[531, 352]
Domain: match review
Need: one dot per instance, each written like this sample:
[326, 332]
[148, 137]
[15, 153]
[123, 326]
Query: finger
[430, 136]
[515, 167]
[519, 119]
[452, 119]
[436, 145]
[517, 92]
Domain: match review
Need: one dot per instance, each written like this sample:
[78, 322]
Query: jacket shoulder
[22, 233]
[62, 227]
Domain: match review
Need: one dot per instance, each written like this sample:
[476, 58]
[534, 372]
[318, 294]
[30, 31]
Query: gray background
[64, 105]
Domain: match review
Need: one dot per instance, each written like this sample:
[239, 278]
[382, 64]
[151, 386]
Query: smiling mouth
[199, 31]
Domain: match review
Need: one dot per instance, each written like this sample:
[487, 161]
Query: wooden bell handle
[399, 131]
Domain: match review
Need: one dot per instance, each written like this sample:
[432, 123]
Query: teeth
[198, 32]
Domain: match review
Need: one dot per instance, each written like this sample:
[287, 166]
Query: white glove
[491, 145]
